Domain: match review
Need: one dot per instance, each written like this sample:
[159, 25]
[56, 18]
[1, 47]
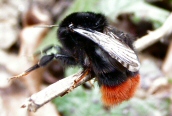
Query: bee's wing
[112, 45]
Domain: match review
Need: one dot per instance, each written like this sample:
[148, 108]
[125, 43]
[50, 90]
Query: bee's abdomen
[113, 95]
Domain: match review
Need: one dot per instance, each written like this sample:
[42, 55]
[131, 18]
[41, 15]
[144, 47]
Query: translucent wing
[112, 45]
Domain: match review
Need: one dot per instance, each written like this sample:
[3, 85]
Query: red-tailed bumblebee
[104, 52]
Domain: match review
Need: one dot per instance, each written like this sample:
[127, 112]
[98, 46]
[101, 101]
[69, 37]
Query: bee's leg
[69, 60]
[45, 60]
[58, 48]
[44, 50]
[66, 59]
[85, 73]
[62, 54]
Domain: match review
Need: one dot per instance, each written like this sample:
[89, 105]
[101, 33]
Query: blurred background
[149, 21]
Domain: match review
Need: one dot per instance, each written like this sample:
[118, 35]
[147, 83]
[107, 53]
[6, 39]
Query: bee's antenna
[46, 26]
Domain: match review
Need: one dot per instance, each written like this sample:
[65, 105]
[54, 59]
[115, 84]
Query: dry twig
[59, 88]
[154, 36]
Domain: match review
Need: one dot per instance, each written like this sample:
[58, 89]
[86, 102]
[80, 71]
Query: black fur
[107, 70]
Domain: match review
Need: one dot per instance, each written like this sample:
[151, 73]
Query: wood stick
[57, 89]
[154, 36]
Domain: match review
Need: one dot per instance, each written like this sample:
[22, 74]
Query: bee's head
[84, 20]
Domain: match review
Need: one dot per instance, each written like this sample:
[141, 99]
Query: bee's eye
[71, 26]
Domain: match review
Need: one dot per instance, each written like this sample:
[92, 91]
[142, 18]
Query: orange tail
[117, 94]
